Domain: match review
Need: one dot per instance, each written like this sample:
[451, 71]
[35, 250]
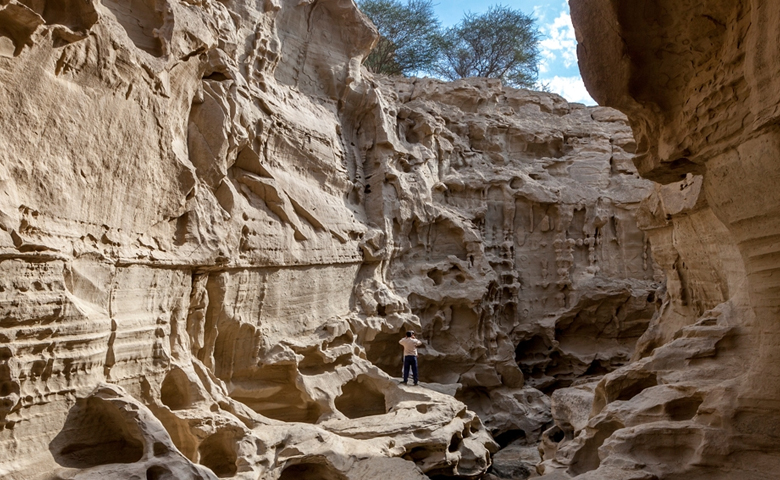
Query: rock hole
[217, 77]
[508, 437]
[596, 368]
[557, 435]
[385, 353]
[635, 388]
[587, 458]
[175, 392]
[311, 471]
[682, 409]
[141, 19]
[422, 408]
[455, 443]
[361, 398]
[158, 472]
[417, 454]
[218, 454]
[7, 388]
[344, 339]
[160, 449]
[437, 276]
[95, 433]
[271, 391]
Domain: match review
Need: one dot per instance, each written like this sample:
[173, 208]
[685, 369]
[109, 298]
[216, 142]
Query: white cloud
[559, 44]
[539, 12]
[570, 88]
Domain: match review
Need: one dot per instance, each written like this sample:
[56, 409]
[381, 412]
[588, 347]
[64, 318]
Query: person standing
[410, 344]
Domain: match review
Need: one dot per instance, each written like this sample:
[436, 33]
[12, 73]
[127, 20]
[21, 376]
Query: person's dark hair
[409, 333]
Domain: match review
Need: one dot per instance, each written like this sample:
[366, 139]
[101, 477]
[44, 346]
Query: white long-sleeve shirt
[410, 345]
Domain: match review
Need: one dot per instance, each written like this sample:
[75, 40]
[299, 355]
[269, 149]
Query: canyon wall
[214, 228]
[515, 242]
[699, 83]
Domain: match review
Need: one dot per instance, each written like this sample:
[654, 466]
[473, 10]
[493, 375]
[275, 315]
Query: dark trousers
[410, 361]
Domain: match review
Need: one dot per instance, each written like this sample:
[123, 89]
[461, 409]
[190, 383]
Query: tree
[501, 43]
[410, 39]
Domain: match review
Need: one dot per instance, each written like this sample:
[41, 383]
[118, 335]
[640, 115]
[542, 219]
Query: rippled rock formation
[515, 243]
[698, 82]
[214, 228]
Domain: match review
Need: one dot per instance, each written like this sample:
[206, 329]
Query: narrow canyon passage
[215, 227]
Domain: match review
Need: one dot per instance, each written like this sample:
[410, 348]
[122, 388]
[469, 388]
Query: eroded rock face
[214, 227]
[698, 81]
[515, 242]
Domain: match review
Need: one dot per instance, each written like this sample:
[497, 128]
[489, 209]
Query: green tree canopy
[500, 43]
[410, 36]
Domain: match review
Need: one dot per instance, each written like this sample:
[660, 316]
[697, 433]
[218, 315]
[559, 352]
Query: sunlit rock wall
[699, 83]
[214, 227]
[515, 242]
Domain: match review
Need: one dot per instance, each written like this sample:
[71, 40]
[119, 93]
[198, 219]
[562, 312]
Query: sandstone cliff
[514, 240]
[698, 81]
[214, 227]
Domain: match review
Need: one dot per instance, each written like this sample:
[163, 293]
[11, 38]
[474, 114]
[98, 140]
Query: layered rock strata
[214, 227]
[698, 82]
[182, 219]
[514, 242]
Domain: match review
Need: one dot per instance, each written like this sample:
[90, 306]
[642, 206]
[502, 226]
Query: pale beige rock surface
[514, 242]
[698, 81]
[214, 228]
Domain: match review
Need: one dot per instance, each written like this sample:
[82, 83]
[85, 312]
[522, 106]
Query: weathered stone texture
[214, 228]
[515, 241]
[698, 81]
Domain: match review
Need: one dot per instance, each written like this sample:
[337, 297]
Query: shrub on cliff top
[410, 39]
[501, 43]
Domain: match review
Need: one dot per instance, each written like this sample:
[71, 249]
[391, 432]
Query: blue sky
[559, 68]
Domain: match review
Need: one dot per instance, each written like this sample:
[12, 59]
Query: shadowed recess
[218, 453]
[361, 398]
[141, 19]
[95, 433]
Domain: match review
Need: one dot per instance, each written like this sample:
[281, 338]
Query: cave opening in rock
[218, 453]
[684, 408]
[311, 471]
[532, 355]
[455, 443]
[271, 391]
[360, 397]
[587, 458]
[96, 433]
[635, 387]
[158, 472]
[505, 438]
[175, 392]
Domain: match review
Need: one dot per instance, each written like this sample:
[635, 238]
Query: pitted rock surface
[698, 81]
[215, 226]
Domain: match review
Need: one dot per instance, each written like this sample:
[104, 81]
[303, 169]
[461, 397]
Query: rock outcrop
[514, 242]
[214, 227]
[698, 82]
